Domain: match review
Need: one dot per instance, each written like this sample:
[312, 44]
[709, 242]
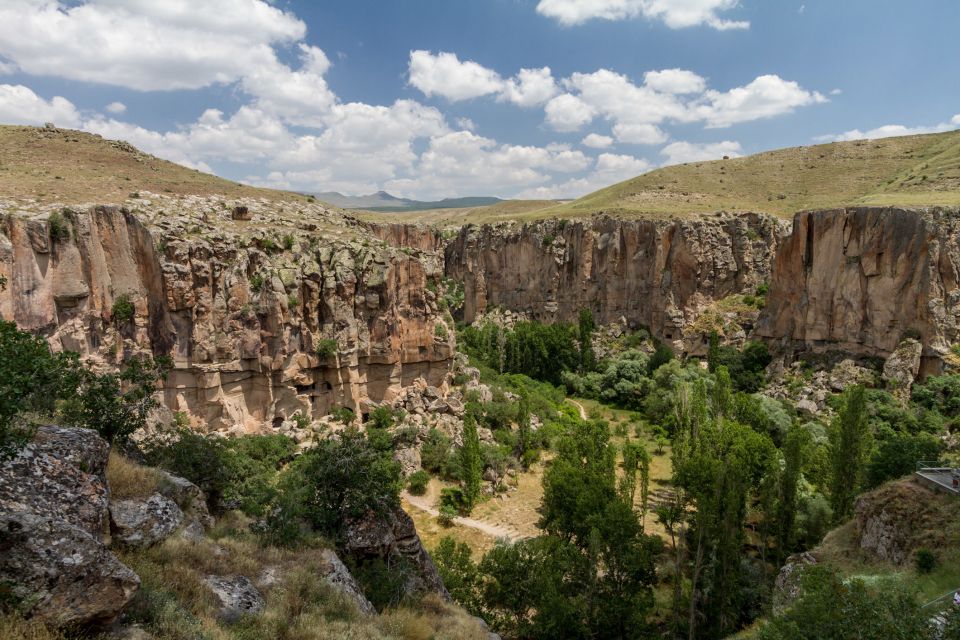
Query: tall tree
[471, 461]
[849, 449]
[588, 360]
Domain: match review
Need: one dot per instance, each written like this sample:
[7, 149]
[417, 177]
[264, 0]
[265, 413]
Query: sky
[446, 98]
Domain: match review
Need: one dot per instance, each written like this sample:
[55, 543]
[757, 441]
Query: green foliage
[417, 482]
[898, 455]
[471, 463]
[256, 282]
[436, 455]
[832, 608]
[540, 351]
[338, 480]
[453, 295]
[585, 329]
[287, 240]
[293, 301]
[302, 420]
[459, 572]
[849, 448]
[446, 515]
[199, 458]
[746, 367]
[440, 332]
[382, 417]
[453, 498]
[661, 356]
[326, 348]
[924, 560]
[58, 227]
[114, 405]
[940, 394]
[343, 415]
[31, 378]
[122, 310]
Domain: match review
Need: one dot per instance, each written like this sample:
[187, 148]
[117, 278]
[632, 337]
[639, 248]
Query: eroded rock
[144, 523]
[237, 595]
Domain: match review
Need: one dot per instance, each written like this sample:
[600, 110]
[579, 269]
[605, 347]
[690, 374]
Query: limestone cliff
[654, 273]
[240, 294]
[860, 280]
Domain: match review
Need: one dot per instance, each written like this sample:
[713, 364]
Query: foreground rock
[336, 574]
[144, 523]
[393, 536]
[237, 595]
[53, 511]
[899, 517]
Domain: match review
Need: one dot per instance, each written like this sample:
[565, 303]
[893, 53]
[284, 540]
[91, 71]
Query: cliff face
[240, 306]
[861, 279]
[652, 273]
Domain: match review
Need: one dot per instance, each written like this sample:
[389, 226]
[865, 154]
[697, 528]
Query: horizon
[365, 98]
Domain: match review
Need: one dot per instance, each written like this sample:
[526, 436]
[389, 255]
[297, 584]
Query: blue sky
[441, 98]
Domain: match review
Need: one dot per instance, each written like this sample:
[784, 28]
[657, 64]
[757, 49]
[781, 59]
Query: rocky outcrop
[144, 523]
[336, 574]
[787, 588]
[237, 595]
[653, 273]
[861, 279]
[53, 513]
[900, 517]
[901, 368]
[393, 536]
[241, 306]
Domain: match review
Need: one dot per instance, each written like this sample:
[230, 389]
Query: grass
[13, 627]
[72, 167]
[127, 479]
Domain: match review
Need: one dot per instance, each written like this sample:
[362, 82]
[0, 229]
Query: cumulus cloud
[444, 74]
[673, 13]
[116, 107]
[890, 130]
[764, 97]
[674, 81]
[680, 152]
[568, 113]
[632, 133]
[143, 44]
[20, 105]
[609, 168]
[530, 87]
[597, 141]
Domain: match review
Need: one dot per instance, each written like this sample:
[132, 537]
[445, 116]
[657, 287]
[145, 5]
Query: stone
[786, 588]
[394, 536]
[144, 523]
[237, 595]
[64, 574]
[901, 368]
[336, 574]
[409, 459]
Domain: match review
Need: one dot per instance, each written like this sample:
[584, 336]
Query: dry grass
[13, 627]
[72, 167]
[127, 479]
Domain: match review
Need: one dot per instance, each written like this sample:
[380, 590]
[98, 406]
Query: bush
[199, 458]
[256, 282]
[417, 482]
[446, 516]
[436, 455]
[59, 229]
[326, 348]
[381, 418]
[344, 415]
[924, 560]
[288, 241]
[123, 309]
[454, 499]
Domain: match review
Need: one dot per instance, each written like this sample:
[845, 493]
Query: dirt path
[423, 503]
[583, 412]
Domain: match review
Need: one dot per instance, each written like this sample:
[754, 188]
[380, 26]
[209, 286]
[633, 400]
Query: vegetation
[122, 310]
[326, 348]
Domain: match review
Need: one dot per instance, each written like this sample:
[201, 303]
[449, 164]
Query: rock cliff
[267, 309]
[860, 280]
[653, 273]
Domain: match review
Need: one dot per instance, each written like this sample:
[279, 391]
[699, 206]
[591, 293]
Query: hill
[382, 201]
[62, 165]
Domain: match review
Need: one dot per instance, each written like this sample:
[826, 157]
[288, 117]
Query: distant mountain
[385, 202]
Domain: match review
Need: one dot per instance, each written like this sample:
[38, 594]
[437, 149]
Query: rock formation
[240, 306]
[861, 279]
[653, 273]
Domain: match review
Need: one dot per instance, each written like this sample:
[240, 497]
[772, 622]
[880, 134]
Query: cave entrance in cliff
[365, 416]
[326, 386]
[277, 422]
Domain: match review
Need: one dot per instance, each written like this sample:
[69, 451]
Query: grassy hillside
[909, 170]
[62, 165]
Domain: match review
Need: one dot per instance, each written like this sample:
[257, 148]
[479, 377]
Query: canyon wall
[240, 316]
[652, 273]
[861, 279]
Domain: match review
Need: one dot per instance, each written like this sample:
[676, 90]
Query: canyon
[242, 293]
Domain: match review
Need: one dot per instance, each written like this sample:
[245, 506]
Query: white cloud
[639, 133]
[20, 105]
[445, 75]
[836, 92]
[674, 81]
[568, 113]
[608, 169]
[676, 14]
[597, 141]
[116, 107]
[680, 152]
[890, 130]
[530, 87]
[465, 123]
[6, 68]
[764, 97]
[144, 44]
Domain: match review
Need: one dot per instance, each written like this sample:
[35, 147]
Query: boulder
[144, 523]
[191, 500]
[902, 367]
[786, 588]
[336, 574]
[393, 536]
[61, 572]
[237, 595]
[409, 460]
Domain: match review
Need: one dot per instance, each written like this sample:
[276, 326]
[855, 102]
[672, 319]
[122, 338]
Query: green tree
[114, 404]
[798, 440]
[636, 471]
[471, 462]
[849, 447]
[459, 572]
[523, 429]
[585, 329]
[713, 352]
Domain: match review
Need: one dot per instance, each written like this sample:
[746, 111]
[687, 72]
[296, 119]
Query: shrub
[924, 560]
[301, 420]
[453, 498]
[293, 301]
[199, 458]
[288, 241]
[381, 418]
[326, 348]
[122, 310]
[59, 228]
[435, 454]
[447, 515]
[344, 415]
[417, 482]
[256, 282]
